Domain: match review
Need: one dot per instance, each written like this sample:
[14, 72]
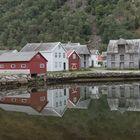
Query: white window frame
[42, 99]
[42, 66]
[23, 65]
[13, 66]
[2, 66]
[24, 100]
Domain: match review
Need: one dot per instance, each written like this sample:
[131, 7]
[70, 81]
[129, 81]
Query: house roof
[20, 56]
[80, 49]
[39, 46]
[8, 51]
[69, 52]
[131, 45]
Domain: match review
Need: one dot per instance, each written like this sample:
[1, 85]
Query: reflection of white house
[94, 58]
[94, 92]
[53, 52]
[57, 104]
[124, 97]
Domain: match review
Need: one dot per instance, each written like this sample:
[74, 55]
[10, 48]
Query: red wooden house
[36, 100]
[73, 60]
[23, 62]
[74, 97]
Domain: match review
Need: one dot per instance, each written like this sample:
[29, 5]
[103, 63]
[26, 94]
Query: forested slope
[86, 21]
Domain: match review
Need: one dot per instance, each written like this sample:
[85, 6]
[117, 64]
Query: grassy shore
[96, 123]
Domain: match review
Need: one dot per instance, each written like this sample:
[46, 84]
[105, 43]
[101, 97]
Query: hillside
[93, 22]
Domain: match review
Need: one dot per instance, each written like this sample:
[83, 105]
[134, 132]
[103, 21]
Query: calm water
[90, 111]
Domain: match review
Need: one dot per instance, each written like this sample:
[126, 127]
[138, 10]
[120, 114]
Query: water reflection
[55, 101]
[124, 97]
[49, 102]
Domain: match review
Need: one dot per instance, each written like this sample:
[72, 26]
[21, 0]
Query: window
[131, 92]
[84, 57]
[64, 92]
[42, 98]
[60, 103]
[13, 66]
[37, 56]
[1, 65]
[131, 57]
[23, 65]
[59, 55]
[55, 64]
[122, 90]
[63, 55]
[74, 56]
[65, 102]
[24, 100]
[42, 65]
[131, 64]
[121, 49]
[112, 64]
[60, 64]
[56, 104]
[55, 55]
[121, 65]
[113, 57]
[121, 57]
[13, 99]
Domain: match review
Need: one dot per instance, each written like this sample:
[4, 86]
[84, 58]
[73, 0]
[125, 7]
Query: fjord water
[64, 112]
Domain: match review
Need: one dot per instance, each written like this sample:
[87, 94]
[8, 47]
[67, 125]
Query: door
[121, 65]
[92, 63]
[34, 68]
[64, 66]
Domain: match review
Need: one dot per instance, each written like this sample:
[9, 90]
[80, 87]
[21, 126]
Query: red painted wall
[74, 62]
[37, 100]
[33, 65]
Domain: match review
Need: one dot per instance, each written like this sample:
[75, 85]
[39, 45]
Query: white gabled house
[54, 52]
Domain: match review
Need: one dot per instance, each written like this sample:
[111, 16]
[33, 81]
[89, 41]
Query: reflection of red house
[23, 62]
[74, 96]
[36, 100]
[73, 60]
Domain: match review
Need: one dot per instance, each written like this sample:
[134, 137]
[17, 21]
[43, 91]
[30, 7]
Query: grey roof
[80, 49]
[6, 51]
[39, 46]
[20, 56]
[132, 46]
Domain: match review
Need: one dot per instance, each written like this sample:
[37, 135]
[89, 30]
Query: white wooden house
[53, 52]
[94, 60]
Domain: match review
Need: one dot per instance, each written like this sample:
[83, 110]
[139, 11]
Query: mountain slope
[86, 21]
